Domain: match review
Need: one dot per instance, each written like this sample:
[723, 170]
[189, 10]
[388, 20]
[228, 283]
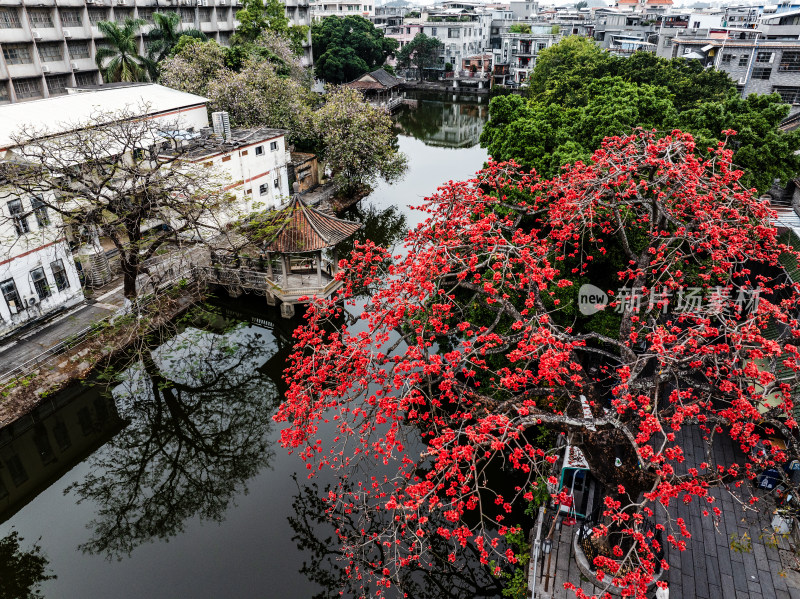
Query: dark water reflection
[172, 484]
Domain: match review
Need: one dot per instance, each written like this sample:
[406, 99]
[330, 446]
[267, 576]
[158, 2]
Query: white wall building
[37, 271]
[341, 8]
[255, 164]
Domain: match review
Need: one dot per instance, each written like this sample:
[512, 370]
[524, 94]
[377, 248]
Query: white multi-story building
[255, 163]
[37, 271]
[48, 46]
[38, 274]
[462, 31]
[341, 8]
[515, 59]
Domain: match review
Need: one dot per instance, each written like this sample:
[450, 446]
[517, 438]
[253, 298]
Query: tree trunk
[130, 271]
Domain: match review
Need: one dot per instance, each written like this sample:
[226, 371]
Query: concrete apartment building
[48, 46]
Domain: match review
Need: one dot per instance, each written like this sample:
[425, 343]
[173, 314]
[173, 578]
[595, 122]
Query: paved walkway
[33, 342]
[710, 568]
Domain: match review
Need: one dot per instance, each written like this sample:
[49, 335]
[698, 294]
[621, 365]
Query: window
[120, 14]
[78, 50]
[743, 60]
[433, 31]
[40, 210]
[273, 146]
[726, 58]
[762, 72]
[226, 158]
[61, 434]
[17, 54]
[85, 420]
[667, 42]
[9, 290]
[277, 183]
[222, 15]
[50, 52]
[4, 95]
[259, 150]
[790, 62]
[42, 441]
[9, 18]
[84, 79]
[764, 56]
[19, 216]
[244, 152]
[205, 15]
[40, 283]
[453, 32]
[96, 15]
[71, 18]
[187, 15]
[146, 14]
[16, 470]
[263, 189]
[57, 85]
[27, 88]
[40, 18]
[790, 95]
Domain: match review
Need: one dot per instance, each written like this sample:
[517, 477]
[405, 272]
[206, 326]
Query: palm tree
[165, 35]
[119, 58]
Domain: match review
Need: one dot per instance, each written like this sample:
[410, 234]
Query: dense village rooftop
[65, 113]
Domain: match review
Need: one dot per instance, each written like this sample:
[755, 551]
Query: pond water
[173, 484]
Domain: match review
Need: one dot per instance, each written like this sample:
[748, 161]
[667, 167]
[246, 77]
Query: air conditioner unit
[73, 66]
[36, 35]
[121, 2]
[31, 301]
[45, 68]
[67, 33]
[223, 2]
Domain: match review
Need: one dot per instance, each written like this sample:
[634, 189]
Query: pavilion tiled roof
[306, 229]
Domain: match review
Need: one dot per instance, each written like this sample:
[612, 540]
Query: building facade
[515, 59]
[341, 8]
[50, 46]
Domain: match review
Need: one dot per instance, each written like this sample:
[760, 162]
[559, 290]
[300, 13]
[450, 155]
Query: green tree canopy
[347, 47]
[422, 52]
[256, 18]
[118, 58]
[520, 28]
[579, 94]
[166, 34]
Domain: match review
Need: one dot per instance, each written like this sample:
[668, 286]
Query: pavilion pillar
[285, 266]
[319, 268]
[269, 267]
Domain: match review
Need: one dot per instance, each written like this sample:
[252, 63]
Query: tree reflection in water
[21, 571]
[385, 227]
[322, 536]
[199, 412]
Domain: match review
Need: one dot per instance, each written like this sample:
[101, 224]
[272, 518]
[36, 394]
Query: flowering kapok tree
[471, 344]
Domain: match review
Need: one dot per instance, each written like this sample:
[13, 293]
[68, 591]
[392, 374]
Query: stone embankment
[26, 389]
